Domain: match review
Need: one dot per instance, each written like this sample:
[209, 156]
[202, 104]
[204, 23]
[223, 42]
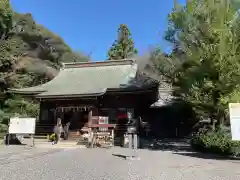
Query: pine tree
[123, 47]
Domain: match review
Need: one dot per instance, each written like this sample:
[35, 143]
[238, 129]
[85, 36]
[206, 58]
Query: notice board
[234, 111]
[22, 125]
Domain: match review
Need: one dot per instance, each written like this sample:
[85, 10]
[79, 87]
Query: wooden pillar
[90, 134]
[55, 116]
[40, 116]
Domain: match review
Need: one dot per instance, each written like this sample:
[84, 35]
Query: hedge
[217, 142]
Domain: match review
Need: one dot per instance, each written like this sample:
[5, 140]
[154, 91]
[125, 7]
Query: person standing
[66, 129]
[57, 131]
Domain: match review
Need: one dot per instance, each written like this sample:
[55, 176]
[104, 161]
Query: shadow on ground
[174, 145]
[181, 147]
[120, 156]
[11, 139]
[207, 156]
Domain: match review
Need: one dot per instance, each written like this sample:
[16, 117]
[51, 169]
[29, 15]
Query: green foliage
[16, 106]
[3, 122]
[204, 66]
[235, 4]
[123, 47]
[21, 107]
[5, 18]
[217, 142]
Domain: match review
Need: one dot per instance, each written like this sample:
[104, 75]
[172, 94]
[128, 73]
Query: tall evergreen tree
[123, 47]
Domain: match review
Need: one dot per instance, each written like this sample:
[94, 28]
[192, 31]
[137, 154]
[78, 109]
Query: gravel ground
[99, 164]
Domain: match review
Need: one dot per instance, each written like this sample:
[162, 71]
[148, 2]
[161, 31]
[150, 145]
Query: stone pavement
[10, 154]
[97, 164]
[44, 143]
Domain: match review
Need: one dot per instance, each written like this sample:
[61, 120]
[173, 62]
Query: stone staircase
[42, 130]
[77, 137]
[74, 135]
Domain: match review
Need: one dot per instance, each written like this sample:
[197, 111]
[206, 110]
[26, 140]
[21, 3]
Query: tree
[123, 47]
[6, 22]
[5, 18]
[205, 66]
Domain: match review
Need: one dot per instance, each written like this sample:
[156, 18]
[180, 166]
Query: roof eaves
[19, 91]
[39, 96]
[98, 64]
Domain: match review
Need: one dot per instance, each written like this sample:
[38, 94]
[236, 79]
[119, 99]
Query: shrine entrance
[78, 118]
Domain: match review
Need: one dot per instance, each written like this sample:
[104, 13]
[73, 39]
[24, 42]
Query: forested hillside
[30, 55]
[29, 46]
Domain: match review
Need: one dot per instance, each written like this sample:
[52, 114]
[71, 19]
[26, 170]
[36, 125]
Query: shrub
[3, 122]
[217, 142]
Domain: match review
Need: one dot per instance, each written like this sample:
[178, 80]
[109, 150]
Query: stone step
[69, 141]
[40, 137]
[60, 145]
[45, 140]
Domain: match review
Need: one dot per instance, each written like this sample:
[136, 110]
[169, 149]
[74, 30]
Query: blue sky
[91, 25]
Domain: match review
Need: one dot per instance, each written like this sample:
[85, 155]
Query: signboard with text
[234, 111]
[22, 125]
[103, 120]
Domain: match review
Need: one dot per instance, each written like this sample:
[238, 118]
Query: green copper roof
[83, 79]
